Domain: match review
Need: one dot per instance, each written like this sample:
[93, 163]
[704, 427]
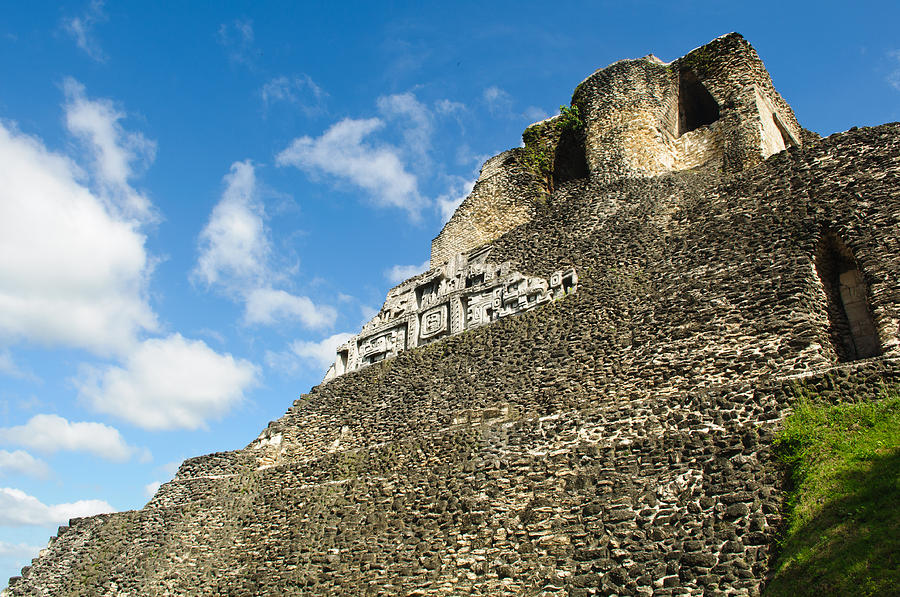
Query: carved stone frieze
[465, 293]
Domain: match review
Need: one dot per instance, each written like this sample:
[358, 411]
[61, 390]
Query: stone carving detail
[434, 322]
[465, 293]
[379, 346]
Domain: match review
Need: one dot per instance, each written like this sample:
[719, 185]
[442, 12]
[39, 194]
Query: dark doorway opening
[696, 107]
[852, 327]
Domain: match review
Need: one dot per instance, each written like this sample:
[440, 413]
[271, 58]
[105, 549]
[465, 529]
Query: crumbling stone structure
[613, 441]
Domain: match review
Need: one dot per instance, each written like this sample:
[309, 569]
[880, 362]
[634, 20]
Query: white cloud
[171, 467]
[22, 463]
[150, 489]
[342, 152]
[116, 153]
[299, 90]
[267, 306]
[893, 77]
[446, 106]
[416, 118]
[74, 273]
[234, 245]
[52, 433]
[17, 508]
[399, 273]
[237, 37]
[169, 383]
[455, 195]
[19, 551]
[10, 368]
[535, 114]
[235, 252]
[309, 354]
[81, 29]
[499, 102]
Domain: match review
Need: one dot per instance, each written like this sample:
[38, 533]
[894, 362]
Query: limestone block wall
[613, 441]
[715, 107]
[503, 198]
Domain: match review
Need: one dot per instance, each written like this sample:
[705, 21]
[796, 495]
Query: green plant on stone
[570, 119]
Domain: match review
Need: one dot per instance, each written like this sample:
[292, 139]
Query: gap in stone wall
[696, 107]
[852, 327]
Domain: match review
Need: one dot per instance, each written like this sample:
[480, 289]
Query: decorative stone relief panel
[381, 345]
[434, 322]
[465, 293]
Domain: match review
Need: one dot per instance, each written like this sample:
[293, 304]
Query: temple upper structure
[714, 109]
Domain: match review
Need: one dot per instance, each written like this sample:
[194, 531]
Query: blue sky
[199, 200]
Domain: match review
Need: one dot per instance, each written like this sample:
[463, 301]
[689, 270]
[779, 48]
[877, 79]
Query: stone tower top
[713, 109]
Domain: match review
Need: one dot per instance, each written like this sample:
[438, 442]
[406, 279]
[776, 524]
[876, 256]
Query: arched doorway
[852, 327]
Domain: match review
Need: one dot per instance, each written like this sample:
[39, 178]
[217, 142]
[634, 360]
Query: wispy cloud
[9, 367]
[893, 77]
[298, 90]
[237, 38]
[236, 257]
[399, 273]
[151, 488]
[458, 189]
[501, 104]
[81, 29]
[417, 120]
[118, 155]
[304, 354]
[17, 508]
[498, 101]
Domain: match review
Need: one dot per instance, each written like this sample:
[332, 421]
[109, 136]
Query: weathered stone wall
[503, 198]
[612, 442]
[635, 126]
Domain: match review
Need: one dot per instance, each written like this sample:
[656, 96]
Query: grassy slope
[843, 534]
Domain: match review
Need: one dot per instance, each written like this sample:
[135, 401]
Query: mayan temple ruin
[579, 397]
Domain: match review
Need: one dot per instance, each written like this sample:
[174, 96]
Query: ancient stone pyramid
[579, 397]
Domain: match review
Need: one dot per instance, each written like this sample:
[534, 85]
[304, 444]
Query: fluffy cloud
[75, 273]
[116, 153]
[267, 306]
[52, 433]
[234, 247]
[399, 273]
[169, 383]
[299, 90]
[81, 29]
[307, 354]
[23, 463]
[343, 153]
[17, 508]
[235, 254]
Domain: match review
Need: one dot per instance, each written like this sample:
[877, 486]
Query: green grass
[843, 530]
